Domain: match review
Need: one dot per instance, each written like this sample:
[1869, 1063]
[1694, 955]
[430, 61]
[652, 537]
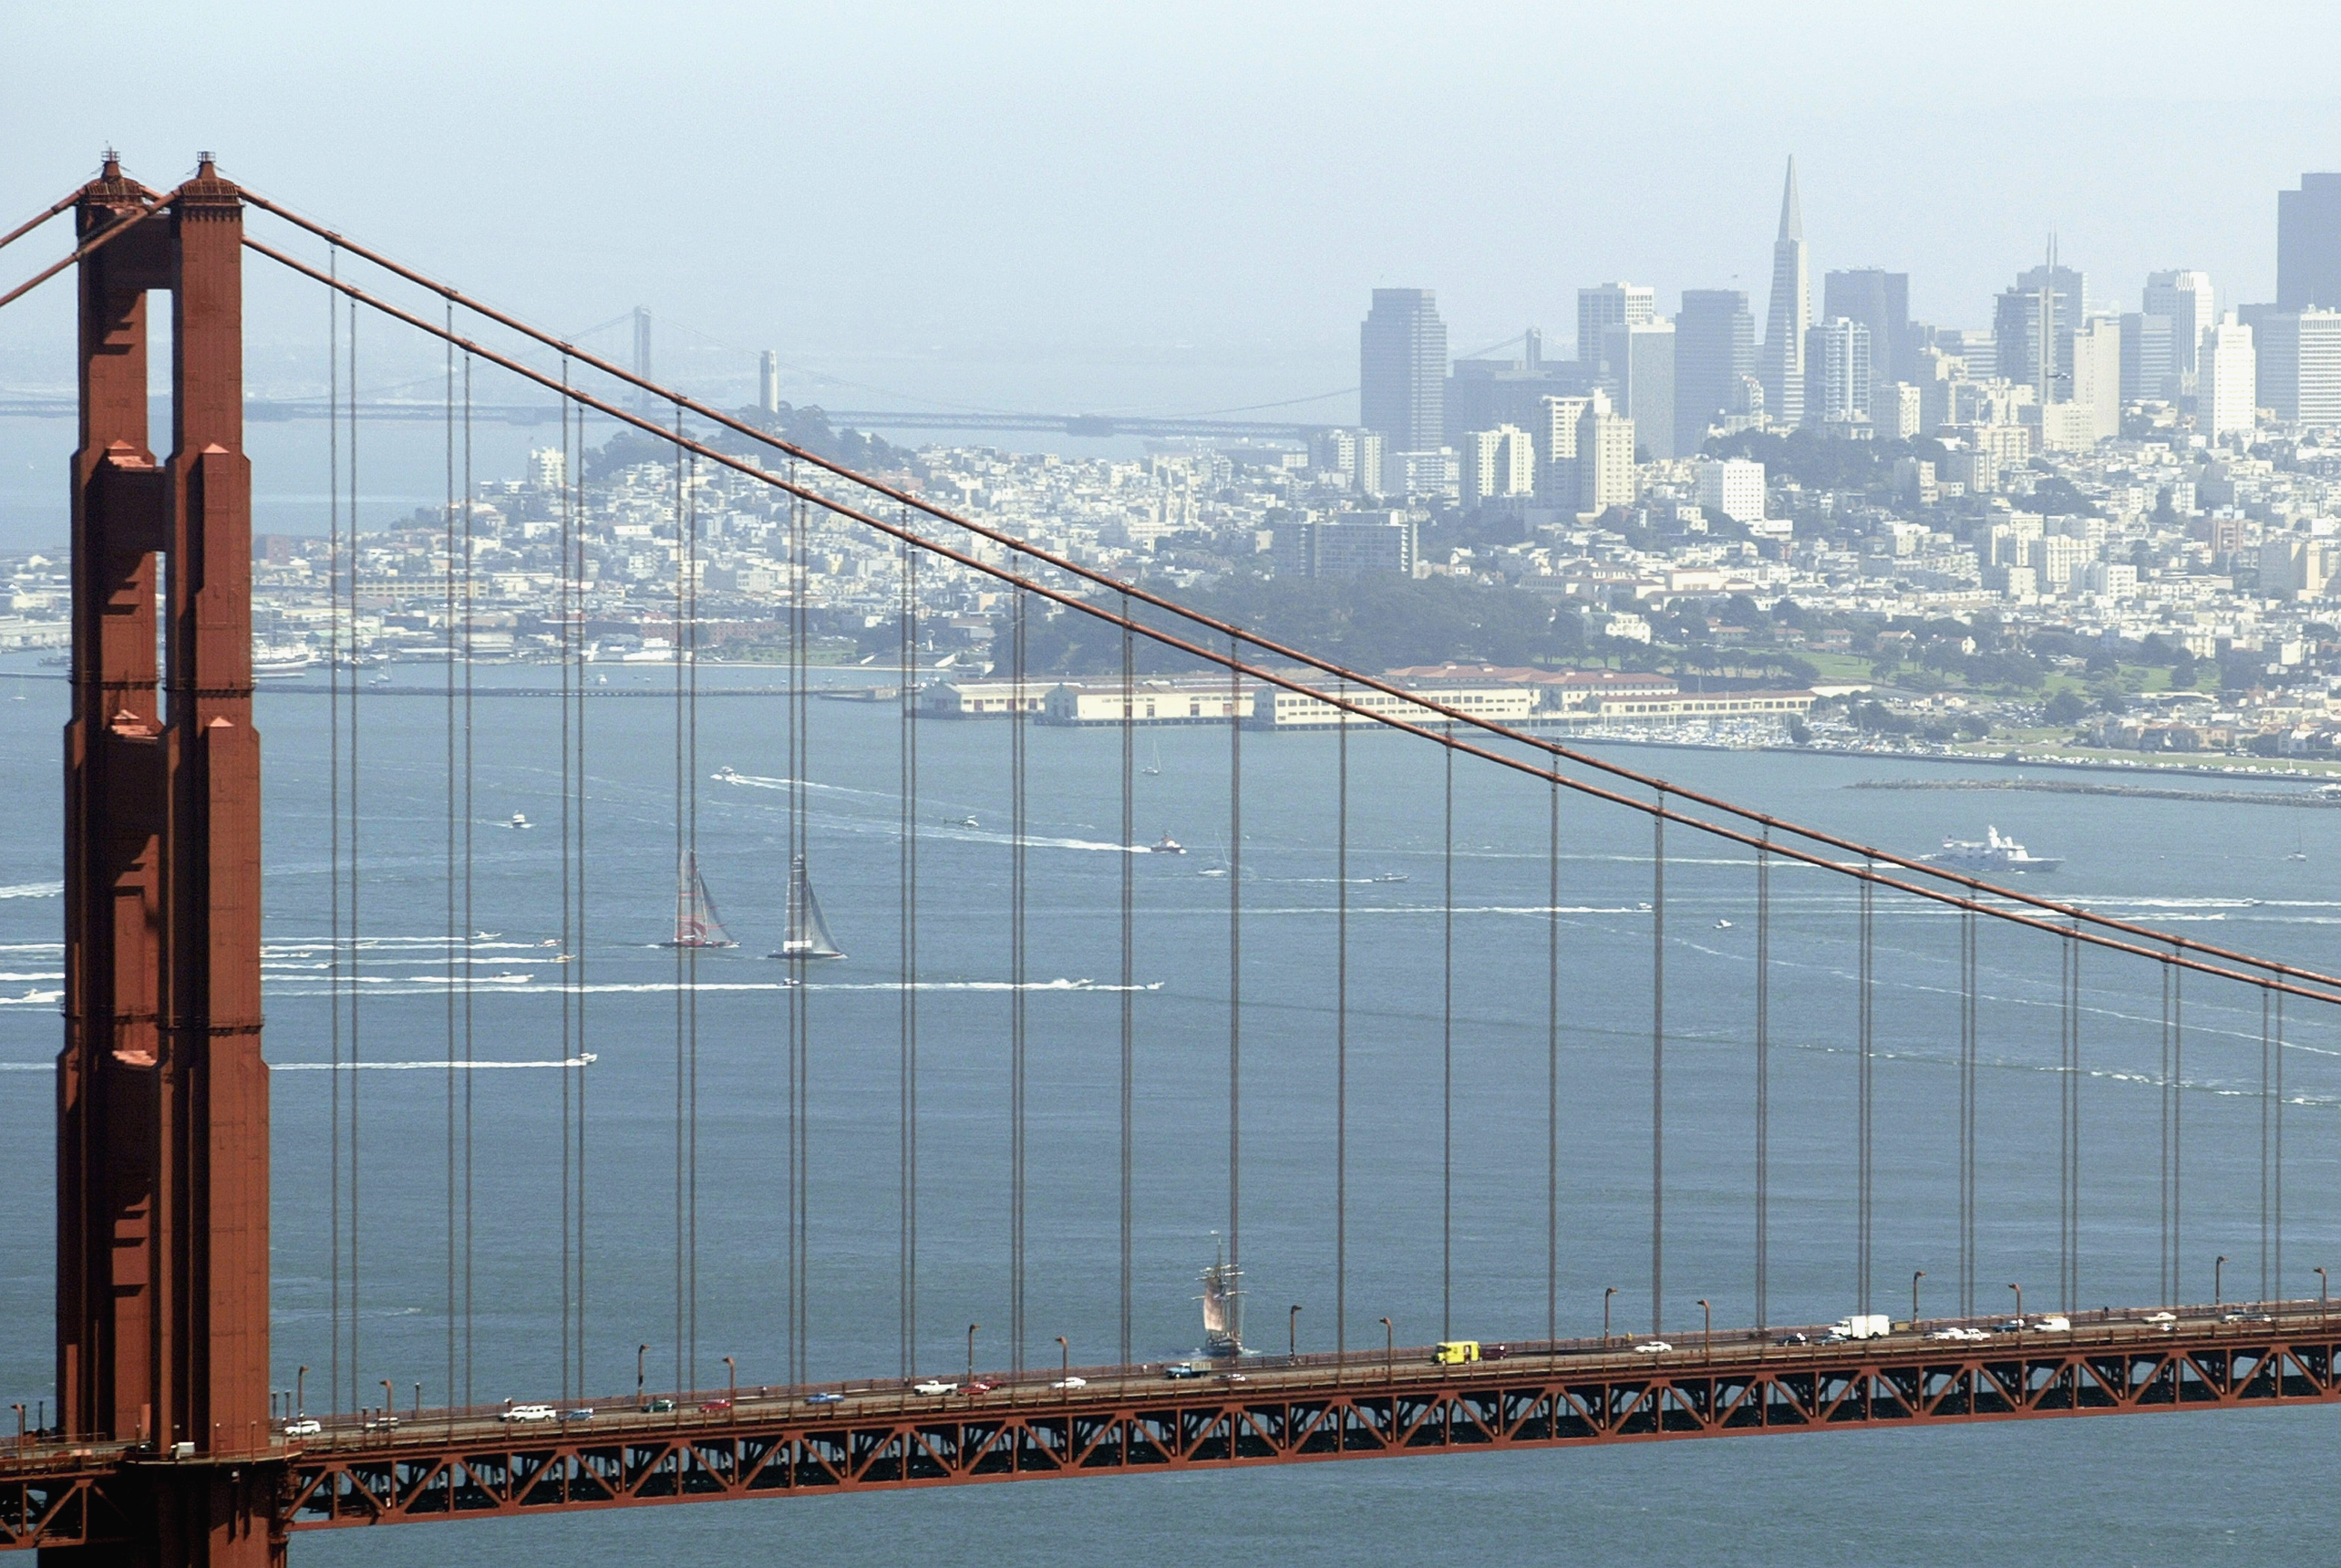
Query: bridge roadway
[883, 1435]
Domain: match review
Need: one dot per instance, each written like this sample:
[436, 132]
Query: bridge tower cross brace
[163, 1263]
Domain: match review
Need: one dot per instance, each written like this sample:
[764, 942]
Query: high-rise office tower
[2070, 285]
[1640, 356]
[1836, 372]
[2308, 243]
[1606, 306]
[2300, 367]
[1402, 369]
[2186, 298]
[1880, 301]
[2019, 330]
[1783, 361]
[1714, 348]
[2150, 356]
[2227, 376]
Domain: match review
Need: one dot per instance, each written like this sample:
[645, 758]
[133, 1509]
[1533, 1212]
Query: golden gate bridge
[174, 1438]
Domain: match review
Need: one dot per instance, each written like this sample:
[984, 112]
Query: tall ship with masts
[808, 934]
[696, 924]
[1222, 1306]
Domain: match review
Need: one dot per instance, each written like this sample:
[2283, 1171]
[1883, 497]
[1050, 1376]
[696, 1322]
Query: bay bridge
[1635, 981]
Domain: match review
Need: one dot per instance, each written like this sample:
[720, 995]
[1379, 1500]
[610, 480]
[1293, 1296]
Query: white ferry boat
[274, 663]
[1993, 855]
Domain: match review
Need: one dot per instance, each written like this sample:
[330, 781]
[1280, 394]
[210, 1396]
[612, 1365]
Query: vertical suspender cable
[2178, 1124]
[468, 929]
[567, 607]
[799, 1014]
[1235, 978]
[2275, 1273]
[576, 966]
[1446, 1054]
[685, 873]
[1658, 1065]
[1552, 1062]
[910, 939]
[2072, 1124]
[1016, 975]
[1763, 1077]
[335, 568]
[2266, 1138]
[688, 651]
[2167, 1286]
[1129, 972]
[1863, 1193]
[1341, 1028]
[357, 989]
[456, 948]
[1967, 1004]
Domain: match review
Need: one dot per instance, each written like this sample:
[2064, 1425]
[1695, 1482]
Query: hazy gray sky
[1171, 208]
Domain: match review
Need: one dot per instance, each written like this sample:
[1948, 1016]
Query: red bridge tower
[162, 1261]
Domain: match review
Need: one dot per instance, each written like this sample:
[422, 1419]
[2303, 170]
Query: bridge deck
[864, 1437]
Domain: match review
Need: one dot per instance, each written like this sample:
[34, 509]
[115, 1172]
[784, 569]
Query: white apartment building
[1731, 485]
[1498, 462]
[1605, 475]
[2227, 376]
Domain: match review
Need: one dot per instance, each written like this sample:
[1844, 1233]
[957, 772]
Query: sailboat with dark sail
[696, 924]
[808, 934]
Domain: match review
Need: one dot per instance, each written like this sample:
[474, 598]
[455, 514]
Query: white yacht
[1992, 855]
